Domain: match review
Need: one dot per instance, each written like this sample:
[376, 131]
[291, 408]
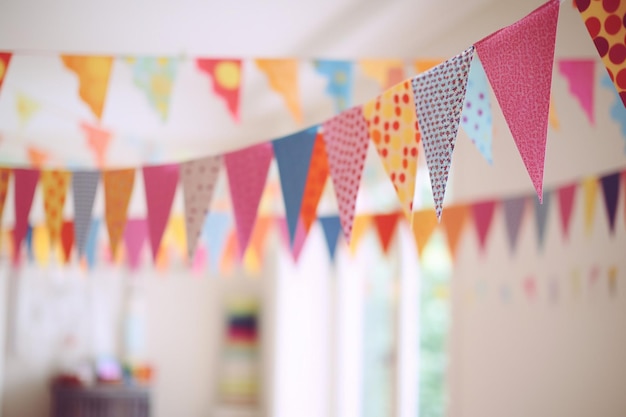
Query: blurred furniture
[100, 401]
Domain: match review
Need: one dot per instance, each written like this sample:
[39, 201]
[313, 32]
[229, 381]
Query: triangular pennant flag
[214, 232]
[5, 59]
[93, 79]
[135, 235]
[383, 70]
[393, 128]
[26, 107]
[282, 75]
[155, 77]
[553, 117]
[98, 141]
[523, 94]
[610, 187]
[346, 138]
[514, 208]
[482, 212]
[29, 243]
[54, 186]
[580, 75]
[67, 240]
[541, 217]
[92, 243]
[37, 156]
[617, 112]
[294, 248]
[566, 196]
[340, 79]
[453, 224]
[259, 235]
[41, 245]
[360, 225]
[160, 184]
[590, 190]
[423, 224]
[5, 176]
[293, 155]
[476, 117]
[84, 186]
[331, 225]
[118, 187]
[247, 172]
[386, 225]
[315, 182]
[439, 95]
[198, 177]
[425, 64]
[605, 23]
[25, 183]
[225, 77]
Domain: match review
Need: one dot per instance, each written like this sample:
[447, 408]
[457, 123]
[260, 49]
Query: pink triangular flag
[518, 60]
[580, 75]
[298, 240]
[439, 96]
[160, 183]
[347, 138]
[483, 216]
[135, 234]
[198, 177]
[247, 171]
[25, 183]
[566, 203]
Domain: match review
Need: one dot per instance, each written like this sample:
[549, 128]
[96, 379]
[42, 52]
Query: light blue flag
[618, 112]
[155, 77]
[332, 230]
[339, 75]
[214, 232]
[541, 216]
[293, 156]
[476, 115]
[92, 243]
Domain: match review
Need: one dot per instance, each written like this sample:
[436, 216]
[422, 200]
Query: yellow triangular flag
[359, 227]
[590, 191]
[423, 224]
[93, 79]
[55, 185]
[26, 108]
[41, 245]
[282, 75]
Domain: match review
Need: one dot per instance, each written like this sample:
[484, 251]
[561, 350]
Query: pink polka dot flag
[160, 183]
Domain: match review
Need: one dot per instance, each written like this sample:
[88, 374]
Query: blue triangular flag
[339, 75]
[214, 232]
[92, 242]
[84, 186]
[332, 230]
[29, 243]
[476, 116]
[513, 214]
[541, 216]
[293, 156]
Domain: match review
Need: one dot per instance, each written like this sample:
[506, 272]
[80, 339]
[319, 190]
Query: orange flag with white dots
[55, 184]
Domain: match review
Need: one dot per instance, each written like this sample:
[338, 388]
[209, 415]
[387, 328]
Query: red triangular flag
[160, 185]
[25, 183]
[225, 79]
[518, 60]
[67, 239]
[566, 196]
[386, 225]
[483, 216]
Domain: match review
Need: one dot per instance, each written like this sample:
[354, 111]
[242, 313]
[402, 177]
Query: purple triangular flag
[610, 186]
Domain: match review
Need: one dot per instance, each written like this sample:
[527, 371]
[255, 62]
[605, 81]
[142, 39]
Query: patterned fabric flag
[605, 23]
[5, 176]
[439, 95]
[476, 117]
[25, 183]
[581, 80]
[395, 133]
[514, 208]
[524, 95]
[135, 235]
[617, 112]
[198, 177]
[315, 182]
[347, 139]
[541, 217]
[424, 224]
[386, 225]
[26, 107]
[225, 75]
[5, 59]
[453, 224]
[84, 186]
[160, 183]
[610, 188]
[331, 225]
[247, 172]
[590, 192]
[384, 71]
[67, 240]
[282, 75]
[155, 77]
[340, 80]
[566, 196]
[118, 187]
[93, 79]
[482, 212]
[293, 155]
[54, 185]
[98, 140]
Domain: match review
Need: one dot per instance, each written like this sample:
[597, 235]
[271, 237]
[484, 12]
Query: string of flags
[426, 109]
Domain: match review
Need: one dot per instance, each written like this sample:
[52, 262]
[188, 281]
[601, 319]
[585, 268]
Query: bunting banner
[386, 225]
[439, 95]
[135, 235]
[476, 118]
[118, 187]
[282, 76]
[566, 195]
[386, 72]
[315, 182]
[84, 187]
[340, 80]
[605, 22]
[25, 183]
[580, 76]
[482, 213]
[610, 188]
[423, 224]
[5, 59]
[54, 185]
[160, 183]
[198, 178]
[93, 74]
[331, 225]
[346, 140]
[155, 77]
[514, 208]
[453, 224]
[225, 75]
[524, 96]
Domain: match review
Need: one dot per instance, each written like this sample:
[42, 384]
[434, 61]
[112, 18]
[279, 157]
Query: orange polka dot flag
[55, 184]
[606, 23]
[394, 131]
[225, 75]
[118, 187]
[93, 79]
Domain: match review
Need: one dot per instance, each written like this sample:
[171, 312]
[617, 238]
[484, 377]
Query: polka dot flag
[55, 185]
[476, 118]
[225, 80]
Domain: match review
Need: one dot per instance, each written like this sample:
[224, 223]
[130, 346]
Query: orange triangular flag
[386, 225]
[37, 157]
[423, 65]
[359, 227]
[315, 182]
[282, 75]
[259, 235]
[93, 79]
[230, 254]
[118, 187]
[453, 220]
[424, 224]
[98, 141]
[55, 185]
